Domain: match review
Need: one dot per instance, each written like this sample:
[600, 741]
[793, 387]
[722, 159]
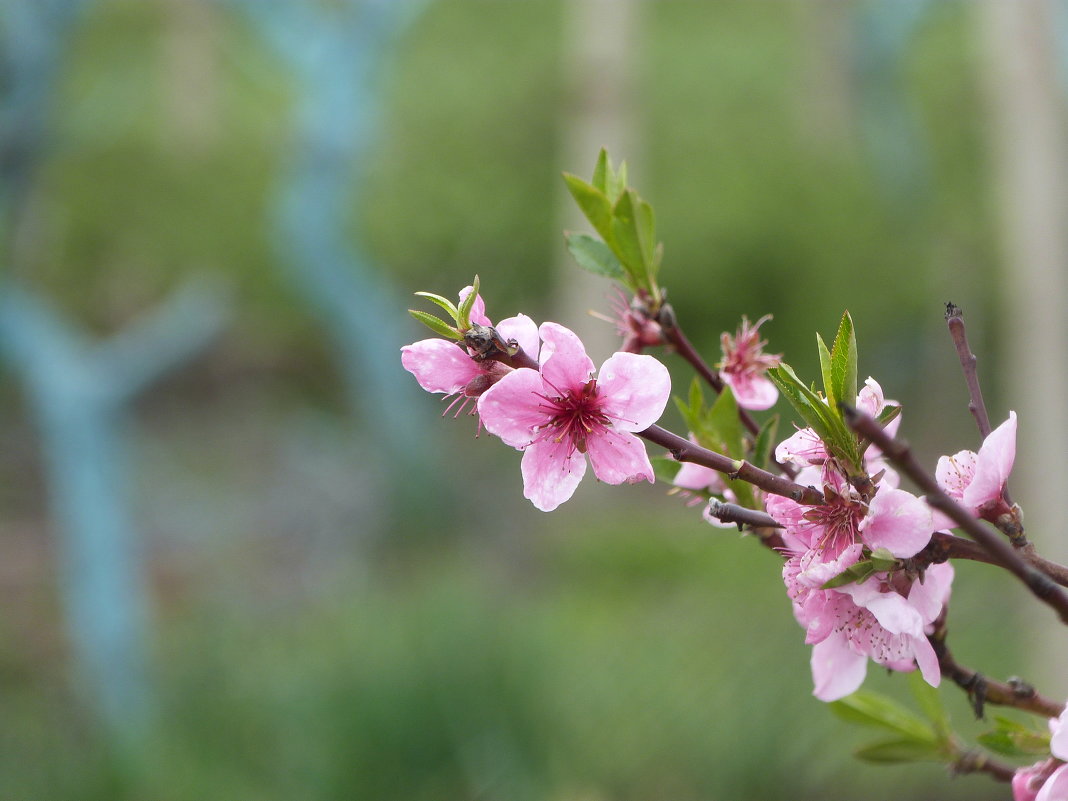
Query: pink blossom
[885, 619]
[804, 448]
[446, 367]
[977, 480]
[744, 363]
[1046, 780]
[560, 413]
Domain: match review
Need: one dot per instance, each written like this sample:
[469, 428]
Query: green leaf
[765, 443]
[665, 468]
[600, 172]
[646, 226]
[805, 402]
[593, 203]
[930, 701]
[595, 256]
[444, 303]
[871, 709]
[617, 181]
[435, 324]
[888, 414]
[724, 422]
[463, 312]
[1014, 739]
[857, 573]
[625, 241]
[897, 751]
[825, 371]
[843, 386]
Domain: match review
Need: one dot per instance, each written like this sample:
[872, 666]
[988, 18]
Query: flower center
[574, 416]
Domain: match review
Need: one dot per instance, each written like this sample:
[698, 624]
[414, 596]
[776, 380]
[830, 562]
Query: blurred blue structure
[33, 36]
[80, 393]
[891, 129]
[335, 50]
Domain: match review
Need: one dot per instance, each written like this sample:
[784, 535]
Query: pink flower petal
[634, 389]
[1056, 786]
[927, 661]
[992, 465]
[1058, 743]
[837, 670]
[870, 398]
[478, 309]
[439, 365]
[897, 521]
[564, 363]
[523, 330]
[930, 596]
[696, 477]
[803, 449]
[551, 471]
[892, 611]
[754, 392]
[954, 473]
[619, 457]
[512, 408]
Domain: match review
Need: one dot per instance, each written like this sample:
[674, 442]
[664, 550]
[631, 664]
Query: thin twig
[982, 691]
[1002, 553]
[955, 322]
[682, 345]
[685, 451]
[979, 762]
[968, 361]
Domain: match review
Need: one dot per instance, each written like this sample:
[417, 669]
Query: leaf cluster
[924, 737]
[461, 315]
[627, 250]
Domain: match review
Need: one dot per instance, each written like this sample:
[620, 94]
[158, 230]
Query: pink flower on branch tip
[446, 367]
[744, 363]
[561, 413]
[977, 480]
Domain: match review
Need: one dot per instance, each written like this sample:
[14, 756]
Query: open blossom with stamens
[977, 480]
[885, 618]
[744, 363]
[565, 411]
[446, 367]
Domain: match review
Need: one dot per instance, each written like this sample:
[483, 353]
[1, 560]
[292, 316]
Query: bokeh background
[243, 555]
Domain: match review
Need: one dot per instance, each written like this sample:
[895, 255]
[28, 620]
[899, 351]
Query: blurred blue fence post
[335, 51]
[891, 127]
[33, 36]
[80, 393]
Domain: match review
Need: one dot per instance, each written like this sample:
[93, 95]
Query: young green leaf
[765, 443]
[600, 173]
[593, 203]
[463, 312]
[594, 256]
[857, 573]
[435, 324]
[617, 181]
[825, 371]
[843, 384]
[930, 701]
[665, 468]
[444, 303]
[625, 241]
[1014, 739]
[871, 709]
[903, 750]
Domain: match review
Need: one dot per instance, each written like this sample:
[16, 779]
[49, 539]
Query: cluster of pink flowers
[558, 414]
[887, 616]
[566, 412]
[1046, 780]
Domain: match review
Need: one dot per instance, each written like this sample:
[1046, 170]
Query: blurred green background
[311, 640]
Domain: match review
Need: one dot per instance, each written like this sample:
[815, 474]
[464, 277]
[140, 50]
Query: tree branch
[1001, 552]
[685, 451]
